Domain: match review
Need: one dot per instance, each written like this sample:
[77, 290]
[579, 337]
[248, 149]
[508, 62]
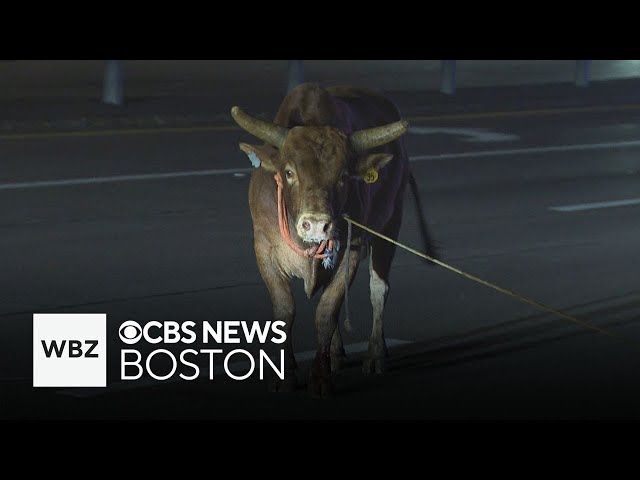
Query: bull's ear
[264, 156]
[374, 161]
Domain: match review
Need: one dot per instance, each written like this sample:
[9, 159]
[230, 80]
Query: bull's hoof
[320, 388]
[337, 360]
[289, 384]
[374, 365]
[320, 384]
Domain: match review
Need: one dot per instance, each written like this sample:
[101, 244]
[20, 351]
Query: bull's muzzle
[314, 227]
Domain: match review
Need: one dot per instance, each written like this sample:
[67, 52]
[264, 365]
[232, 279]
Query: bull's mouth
[317, 239]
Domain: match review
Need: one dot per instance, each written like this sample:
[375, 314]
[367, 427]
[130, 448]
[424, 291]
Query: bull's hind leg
[381, 255]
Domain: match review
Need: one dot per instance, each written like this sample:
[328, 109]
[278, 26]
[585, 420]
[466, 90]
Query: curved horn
[376, 136]
[269, 132]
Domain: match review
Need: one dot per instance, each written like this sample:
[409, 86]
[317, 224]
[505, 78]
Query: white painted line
[236, 367]
[592, 206]
[524, 151]
[479, 135]
[121, 178]
[224, 171]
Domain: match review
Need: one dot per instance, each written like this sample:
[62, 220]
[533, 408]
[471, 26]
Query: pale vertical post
[112, 86]
[295, 74]
[583, 73]
[448, 77]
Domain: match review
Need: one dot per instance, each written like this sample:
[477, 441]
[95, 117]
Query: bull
[328, 152]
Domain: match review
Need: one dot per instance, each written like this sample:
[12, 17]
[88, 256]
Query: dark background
[180, 247]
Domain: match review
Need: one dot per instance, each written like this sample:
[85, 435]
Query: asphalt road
[180, 248]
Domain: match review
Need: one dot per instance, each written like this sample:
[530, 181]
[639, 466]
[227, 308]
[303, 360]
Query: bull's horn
[269, 132]
[376, 136]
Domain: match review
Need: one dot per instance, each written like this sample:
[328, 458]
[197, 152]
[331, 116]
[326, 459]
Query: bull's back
[344, 107]
[375, 203]
[366, 108]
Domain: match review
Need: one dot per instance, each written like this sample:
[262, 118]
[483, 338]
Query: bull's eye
[289, 174]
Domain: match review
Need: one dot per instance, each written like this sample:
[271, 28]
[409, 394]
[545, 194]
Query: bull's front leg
[283, 310]
[326, 321]
[338, 353]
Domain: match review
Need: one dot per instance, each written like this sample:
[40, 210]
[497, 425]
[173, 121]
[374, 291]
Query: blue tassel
[329, 262]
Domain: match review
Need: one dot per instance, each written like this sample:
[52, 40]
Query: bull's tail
[429, 246]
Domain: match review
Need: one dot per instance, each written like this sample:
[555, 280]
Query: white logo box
[70, 367]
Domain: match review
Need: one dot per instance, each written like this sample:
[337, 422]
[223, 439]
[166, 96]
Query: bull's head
[315, 164]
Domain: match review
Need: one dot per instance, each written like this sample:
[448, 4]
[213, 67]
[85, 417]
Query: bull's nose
[314, 227]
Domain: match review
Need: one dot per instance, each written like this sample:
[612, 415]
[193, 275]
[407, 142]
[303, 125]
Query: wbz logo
[69, 350]
[74, 350]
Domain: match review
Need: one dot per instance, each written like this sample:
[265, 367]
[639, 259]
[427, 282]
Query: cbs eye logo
[130, 332]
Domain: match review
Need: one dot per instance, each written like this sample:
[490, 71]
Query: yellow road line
[105, 133]
[229, 128]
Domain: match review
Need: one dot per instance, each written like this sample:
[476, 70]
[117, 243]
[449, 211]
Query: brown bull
[321, 145]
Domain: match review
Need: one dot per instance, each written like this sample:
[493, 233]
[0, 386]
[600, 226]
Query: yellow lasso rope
[510, 293]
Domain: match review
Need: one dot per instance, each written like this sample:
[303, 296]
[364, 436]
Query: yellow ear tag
[371, 176]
